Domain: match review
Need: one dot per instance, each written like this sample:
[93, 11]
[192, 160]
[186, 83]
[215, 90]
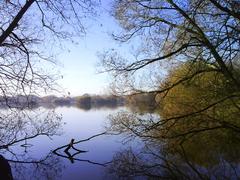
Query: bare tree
[29, 32]
[176, 31]
[197, 44]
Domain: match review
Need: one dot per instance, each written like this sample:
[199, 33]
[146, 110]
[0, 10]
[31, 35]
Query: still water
[33, 140]
[68, 143]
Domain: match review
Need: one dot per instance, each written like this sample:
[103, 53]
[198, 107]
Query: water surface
[32, 158]
[35, 143]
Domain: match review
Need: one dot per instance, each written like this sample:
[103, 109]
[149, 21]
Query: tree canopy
[29, 33]
[175, 31]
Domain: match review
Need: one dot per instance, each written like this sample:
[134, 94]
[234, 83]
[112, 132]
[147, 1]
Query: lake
[32, 158]
[35, 143]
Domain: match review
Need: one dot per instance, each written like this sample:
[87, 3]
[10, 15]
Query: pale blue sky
[79, 65]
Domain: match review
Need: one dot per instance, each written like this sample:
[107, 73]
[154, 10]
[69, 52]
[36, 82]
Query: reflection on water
[19, 128]
[73, 156]
[208, 154]
[176, 163]
[56, 144]
[69, 143]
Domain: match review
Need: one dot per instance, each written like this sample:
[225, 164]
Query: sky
[79, 64]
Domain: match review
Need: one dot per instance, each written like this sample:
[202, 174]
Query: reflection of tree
[84, 102]
[203, 103]
[156, 160]
[144, 102]
[72, 156]
[87, 102]
[18, 127]
[198, 155]
[150, 164]
[48, 167]
[199, 96]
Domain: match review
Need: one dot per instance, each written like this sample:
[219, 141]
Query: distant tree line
[85, 102]
[96, 101]
[30, 32]
[190, 54]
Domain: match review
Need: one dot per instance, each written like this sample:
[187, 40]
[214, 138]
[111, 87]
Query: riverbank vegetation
[197, 50]
[195, 46]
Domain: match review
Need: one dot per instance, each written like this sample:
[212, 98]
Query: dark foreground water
[32, 136]
[34, 144]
